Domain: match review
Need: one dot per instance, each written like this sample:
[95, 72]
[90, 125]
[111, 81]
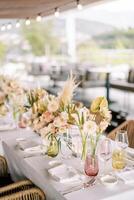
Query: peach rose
[48, 116]
[59, 122]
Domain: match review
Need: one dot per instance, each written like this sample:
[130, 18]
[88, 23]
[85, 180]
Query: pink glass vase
[91, 165]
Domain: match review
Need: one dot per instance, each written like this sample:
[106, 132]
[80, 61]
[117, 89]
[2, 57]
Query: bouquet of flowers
[50, 115]
[12, 92]
[3, 106]
[92, 123]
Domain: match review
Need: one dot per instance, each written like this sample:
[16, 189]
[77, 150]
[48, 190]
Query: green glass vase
[53, 148]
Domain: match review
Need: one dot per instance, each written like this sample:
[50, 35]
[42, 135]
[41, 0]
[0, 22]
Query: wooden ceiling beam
[15, 9]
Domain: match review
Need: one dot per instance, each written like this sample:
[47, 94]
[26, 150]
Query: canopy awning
[30, 8]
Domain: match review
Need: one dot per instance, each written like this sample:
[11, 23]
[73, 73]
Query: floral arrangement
[92, 123]
[3, 106]
[12, 94]
[51, 115]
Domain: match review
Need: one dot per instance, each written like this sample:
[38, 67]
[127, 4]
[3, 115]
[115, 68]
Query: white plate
[64, 173]
[109, 180]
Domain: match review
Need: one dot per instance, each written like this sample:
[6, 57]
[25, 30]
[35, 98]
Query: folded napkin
[6, 127]
[130, 154]
[126, 176]
[36, 149]
[27, 144]
[64, 174]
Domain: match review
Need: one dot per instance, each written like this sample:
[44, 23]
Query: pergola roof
[30, 8]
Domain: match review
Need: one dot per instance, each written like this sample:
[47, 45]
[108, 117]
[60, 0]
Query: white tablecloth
[35, 168]
[13, 134]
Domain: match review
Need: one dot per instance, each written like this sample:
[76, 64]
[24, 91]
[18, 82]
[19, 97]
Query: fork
[79, 187]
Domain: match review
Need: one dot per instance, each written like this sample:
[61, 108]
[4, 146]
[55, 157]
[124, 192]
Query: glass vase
[53, 148]
[91, 165]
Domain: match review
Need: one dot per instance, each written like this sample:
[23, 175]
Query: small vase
[91, 165]
[53, 148]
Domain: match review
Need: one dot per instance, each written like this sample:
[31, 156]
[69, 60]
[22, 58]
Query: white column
[71, 36]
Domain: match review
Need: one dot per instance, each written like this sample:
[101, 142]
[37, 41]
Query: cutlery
[33, 155]
[90, 183]
[79, 187]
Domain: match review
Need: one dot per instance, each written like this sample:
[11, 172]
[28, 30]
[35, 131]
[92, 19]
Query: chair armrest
[112, 134]
[33, 193]
[3, 167]
[16, 187]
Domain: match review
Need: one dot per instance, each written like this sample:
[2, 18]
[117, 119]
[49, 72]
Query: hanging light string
[39, 16]
[57, 12]
[79, 5]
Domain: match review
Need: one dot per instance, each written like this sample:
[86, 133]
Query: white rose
[58, 122]
[90, 127]
[64, 116]
[62, 129]
[53, 106]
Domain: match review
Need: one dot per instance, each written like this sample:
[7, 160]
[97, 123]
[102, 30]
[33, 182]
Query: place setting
[29, 147]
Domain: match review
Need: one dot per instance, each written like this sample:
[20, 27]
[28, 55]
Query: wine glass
[66, 144]
[122, 139]
[105, 152]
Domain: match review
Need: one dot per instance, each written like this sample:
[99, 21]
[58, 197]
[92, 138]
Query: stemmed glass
[105, 152]
[119, 155]
[66, 144]
[122, 139]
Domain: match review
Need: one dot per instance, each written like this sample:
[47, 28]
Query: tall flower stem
[84, 145]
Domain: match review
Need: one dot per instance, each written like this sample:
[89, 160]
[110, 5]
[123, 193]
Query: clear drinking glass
[122, 139]
[105, 152]
[66, 145]
[118, 159]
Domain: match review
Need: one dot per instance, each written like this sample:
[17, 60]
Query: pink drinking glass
[91, 165]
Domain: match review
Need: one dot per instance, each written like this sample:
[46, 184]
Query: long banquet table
[36, 169]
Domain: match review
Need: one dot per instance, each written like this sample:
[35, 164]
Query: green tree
[119, 44]
[41, 38]
[3, 49]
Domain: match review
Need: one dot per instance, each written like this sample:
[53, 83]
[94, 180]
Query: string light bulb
[9, 26]
[57, 13]
[28, 22]
[17, 24]
[38, 18]
[3, 28]
[79, 5]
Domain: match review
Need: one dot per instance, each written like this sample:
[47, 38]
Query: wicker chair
[129, 127]
[22, 190]
[3, 167]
